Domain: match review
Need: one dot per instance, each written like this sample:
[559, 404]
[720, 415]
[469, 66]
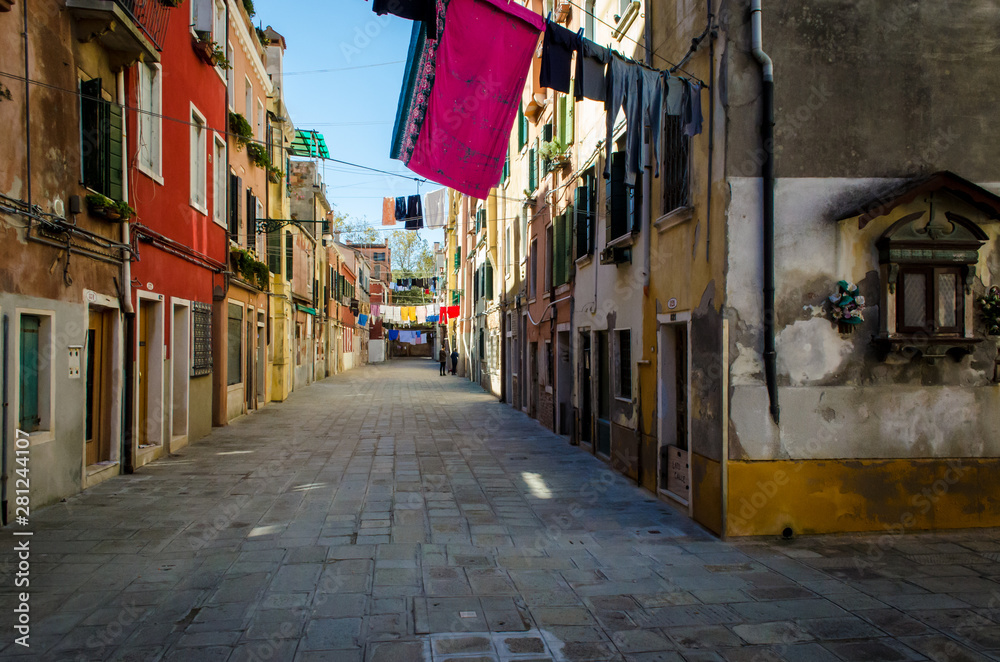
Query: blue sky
[354, 105]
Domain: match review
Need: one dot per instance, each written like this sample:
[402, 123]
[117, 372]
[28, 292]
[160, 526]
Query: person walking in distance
[443, 359]
[454, 362]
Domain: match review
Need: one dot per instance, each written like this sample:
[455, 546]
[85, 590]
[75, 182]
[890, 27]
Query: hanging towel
[362, 320]
[400, 209]
[591, 62]
[393, 334]
[389, 211]
[421, 314]
[691, 108]
[454, 312]
[415, 10]
[461, 93]
[414, 213]
[436, 208]
[376, 309]
[432, 319]
[557, 55]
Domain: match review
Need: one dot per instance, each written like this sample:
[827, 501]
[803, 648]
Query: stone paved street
[393, 515]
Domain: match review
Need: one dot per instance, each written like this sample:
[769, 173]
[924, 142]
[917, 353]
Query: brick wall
[545, 409]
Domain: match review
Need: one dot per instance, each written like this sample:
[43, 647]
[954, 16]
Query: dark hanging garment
[400, 209]
[591, 63]
[414, 10]
[691, 109]
[557, 55]
[414, 213]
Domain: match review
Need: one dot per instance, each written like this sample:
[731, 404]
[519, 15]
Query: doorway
[586, 433]
[145, 317]
[97, 432]
[564, 383]
[603, 445]
[261, 357]
[673, 434]
[149, 372]
[248, 374]
[180, 368]
[533, 380]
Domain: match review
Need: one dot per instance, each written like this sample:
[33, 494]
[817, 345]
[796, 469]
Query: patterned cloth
[461, 92]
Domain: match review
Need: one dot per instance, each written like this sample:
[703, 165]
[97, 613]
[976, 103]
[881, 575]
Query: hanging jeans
[624, 87]
[652, 116]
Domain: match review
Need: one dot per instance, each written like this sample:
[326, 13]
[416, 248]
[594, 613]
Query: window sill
[623, 241]
[40, 437]
[584, 260]
[562, 289]
[199, 209]
[621, 399]
[674, 218]
[149, 172]
[545, 295]
[930, 348]
[548, 389]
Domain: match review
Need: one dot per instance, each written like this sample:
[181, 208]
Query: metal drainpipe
[767, 136]
[3, 478]
[27, 106]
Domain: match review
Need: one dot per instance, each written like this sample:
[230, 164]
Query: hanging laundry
[433, 319]
[414, 213]
[400, 209]
[362, 320]
[454, 312]
[623, 88]
[591, 61]
[461, 92]
[421, 314]
[436, 208]
[376, 309]
[393, 334]
[651, 84]
[388, 211]
[674, 96]
[415, 10]
[557, 55]
[691, 109]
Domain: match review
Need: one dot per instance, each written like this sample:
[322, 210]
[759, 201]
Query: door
[248, 376]
[29, 419]
[261, 356]
[603, 446]
[564, 383]
[533, 371]
[673, 406]
[145, 317]
[98, 442]
[586, 375]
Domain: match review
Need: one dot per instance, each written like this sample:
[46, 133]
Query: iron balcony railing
[150, 16]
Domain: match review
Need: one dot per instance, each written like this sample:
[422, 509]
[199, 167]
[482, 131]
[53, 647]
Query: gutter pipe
[767, 136]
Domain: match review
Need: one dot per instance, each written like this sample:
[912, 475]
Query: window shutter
[458, 258]
[532, 168]
[547, 132]
[489, 281]
[506, 166]
[567, 245]
[617, 198]
[235, 186]
[274, 252]
[558, 258]
[289, 256]
[113, 146]
[251, 220]
[90, 133]
[522, 128]
[203, 15]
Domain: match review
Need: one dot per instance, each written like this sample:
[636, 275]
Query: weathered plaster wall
[838, 398]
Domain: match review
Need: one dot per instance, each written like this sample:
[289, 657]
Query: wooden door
[98, 442]
[29, 418]
[145, 312]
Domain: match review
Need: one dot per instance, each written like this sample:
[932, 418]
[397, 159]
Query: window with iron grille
[201, 322]
[675, 165]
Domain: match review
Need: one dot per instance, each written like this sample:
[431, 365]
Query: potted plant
[274, 175]
[209, 51]
[241, 129]
[847, 307]
[258, 155]
[555, 153]
[989, 308]
[125, 212]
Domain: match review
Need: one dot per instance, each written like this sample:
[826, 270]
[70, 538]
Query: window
[480, 220]
[589, 25]
[549, 364]
[248, 101]
[482, 344]
[674, 172]
[533, 167]
[549, 258]
[508, 247]
[378, 257]
[930, 299]
[458, 257]
[219, 179]
[505, 175]
[230, 80]
[623, 201]
[522, 128]
[623, 387]
[585, 207]
[100, 141]
[150, 123]
[234, 345]
[260, 122]
[377, 271]
[251, 226]
[563, 247]
[199, 165]
[487, 280]
[533, 270]
[289, 255]
[235, 188]
[201, 317]
[33, 374]
[219, 30]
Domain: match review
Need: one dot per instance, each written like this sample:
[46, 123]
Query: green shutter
[522, 129]
[533, 167]
[289, 256]
[28, 418]
[274, 252]
[617, 224]
[567, 244]
[91, 152]
[458, 258]
[506, 167]
[113, 143]
[582, 221]
[558, 259]
[489, 281]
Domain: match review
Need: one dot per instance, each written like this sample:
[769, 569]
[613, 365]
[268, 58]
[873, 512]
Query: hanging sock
[591, 61]
[388, 211]
[414, 213]
[482, 58]
[557, 54]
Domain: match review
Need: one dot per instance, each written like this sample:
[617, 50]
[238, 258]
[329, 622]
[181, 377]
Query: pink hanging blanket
[478, 76]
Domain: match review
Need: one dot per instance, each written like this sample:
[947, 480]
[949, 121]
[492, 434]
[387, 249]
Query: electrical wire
[328, 71]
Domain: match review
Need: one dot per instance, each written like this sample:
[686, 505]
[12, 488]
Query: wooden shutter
[522, 129]
[28, 418]
[489, 280]
[617, 198]
[289, 256]
[113, 150]
[533, 167]
[90, 134]
[251, 220]
[582, 222]
[235, 187]
[567, 244]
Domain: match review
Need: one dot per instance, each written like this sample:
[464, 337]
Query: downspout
[647, 228]
[125, 291]
[27, 107]
[3, 478]
[767, 136]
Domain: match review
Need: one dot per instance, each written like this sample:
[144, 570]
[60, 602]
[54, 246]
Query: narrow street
[391, 515]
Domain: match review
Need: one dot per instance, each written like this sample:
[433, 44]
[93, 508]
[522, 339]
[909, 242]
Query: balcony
[129, 29]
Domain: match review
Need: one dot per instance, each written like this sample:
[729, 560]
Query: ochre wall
[897, 496]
